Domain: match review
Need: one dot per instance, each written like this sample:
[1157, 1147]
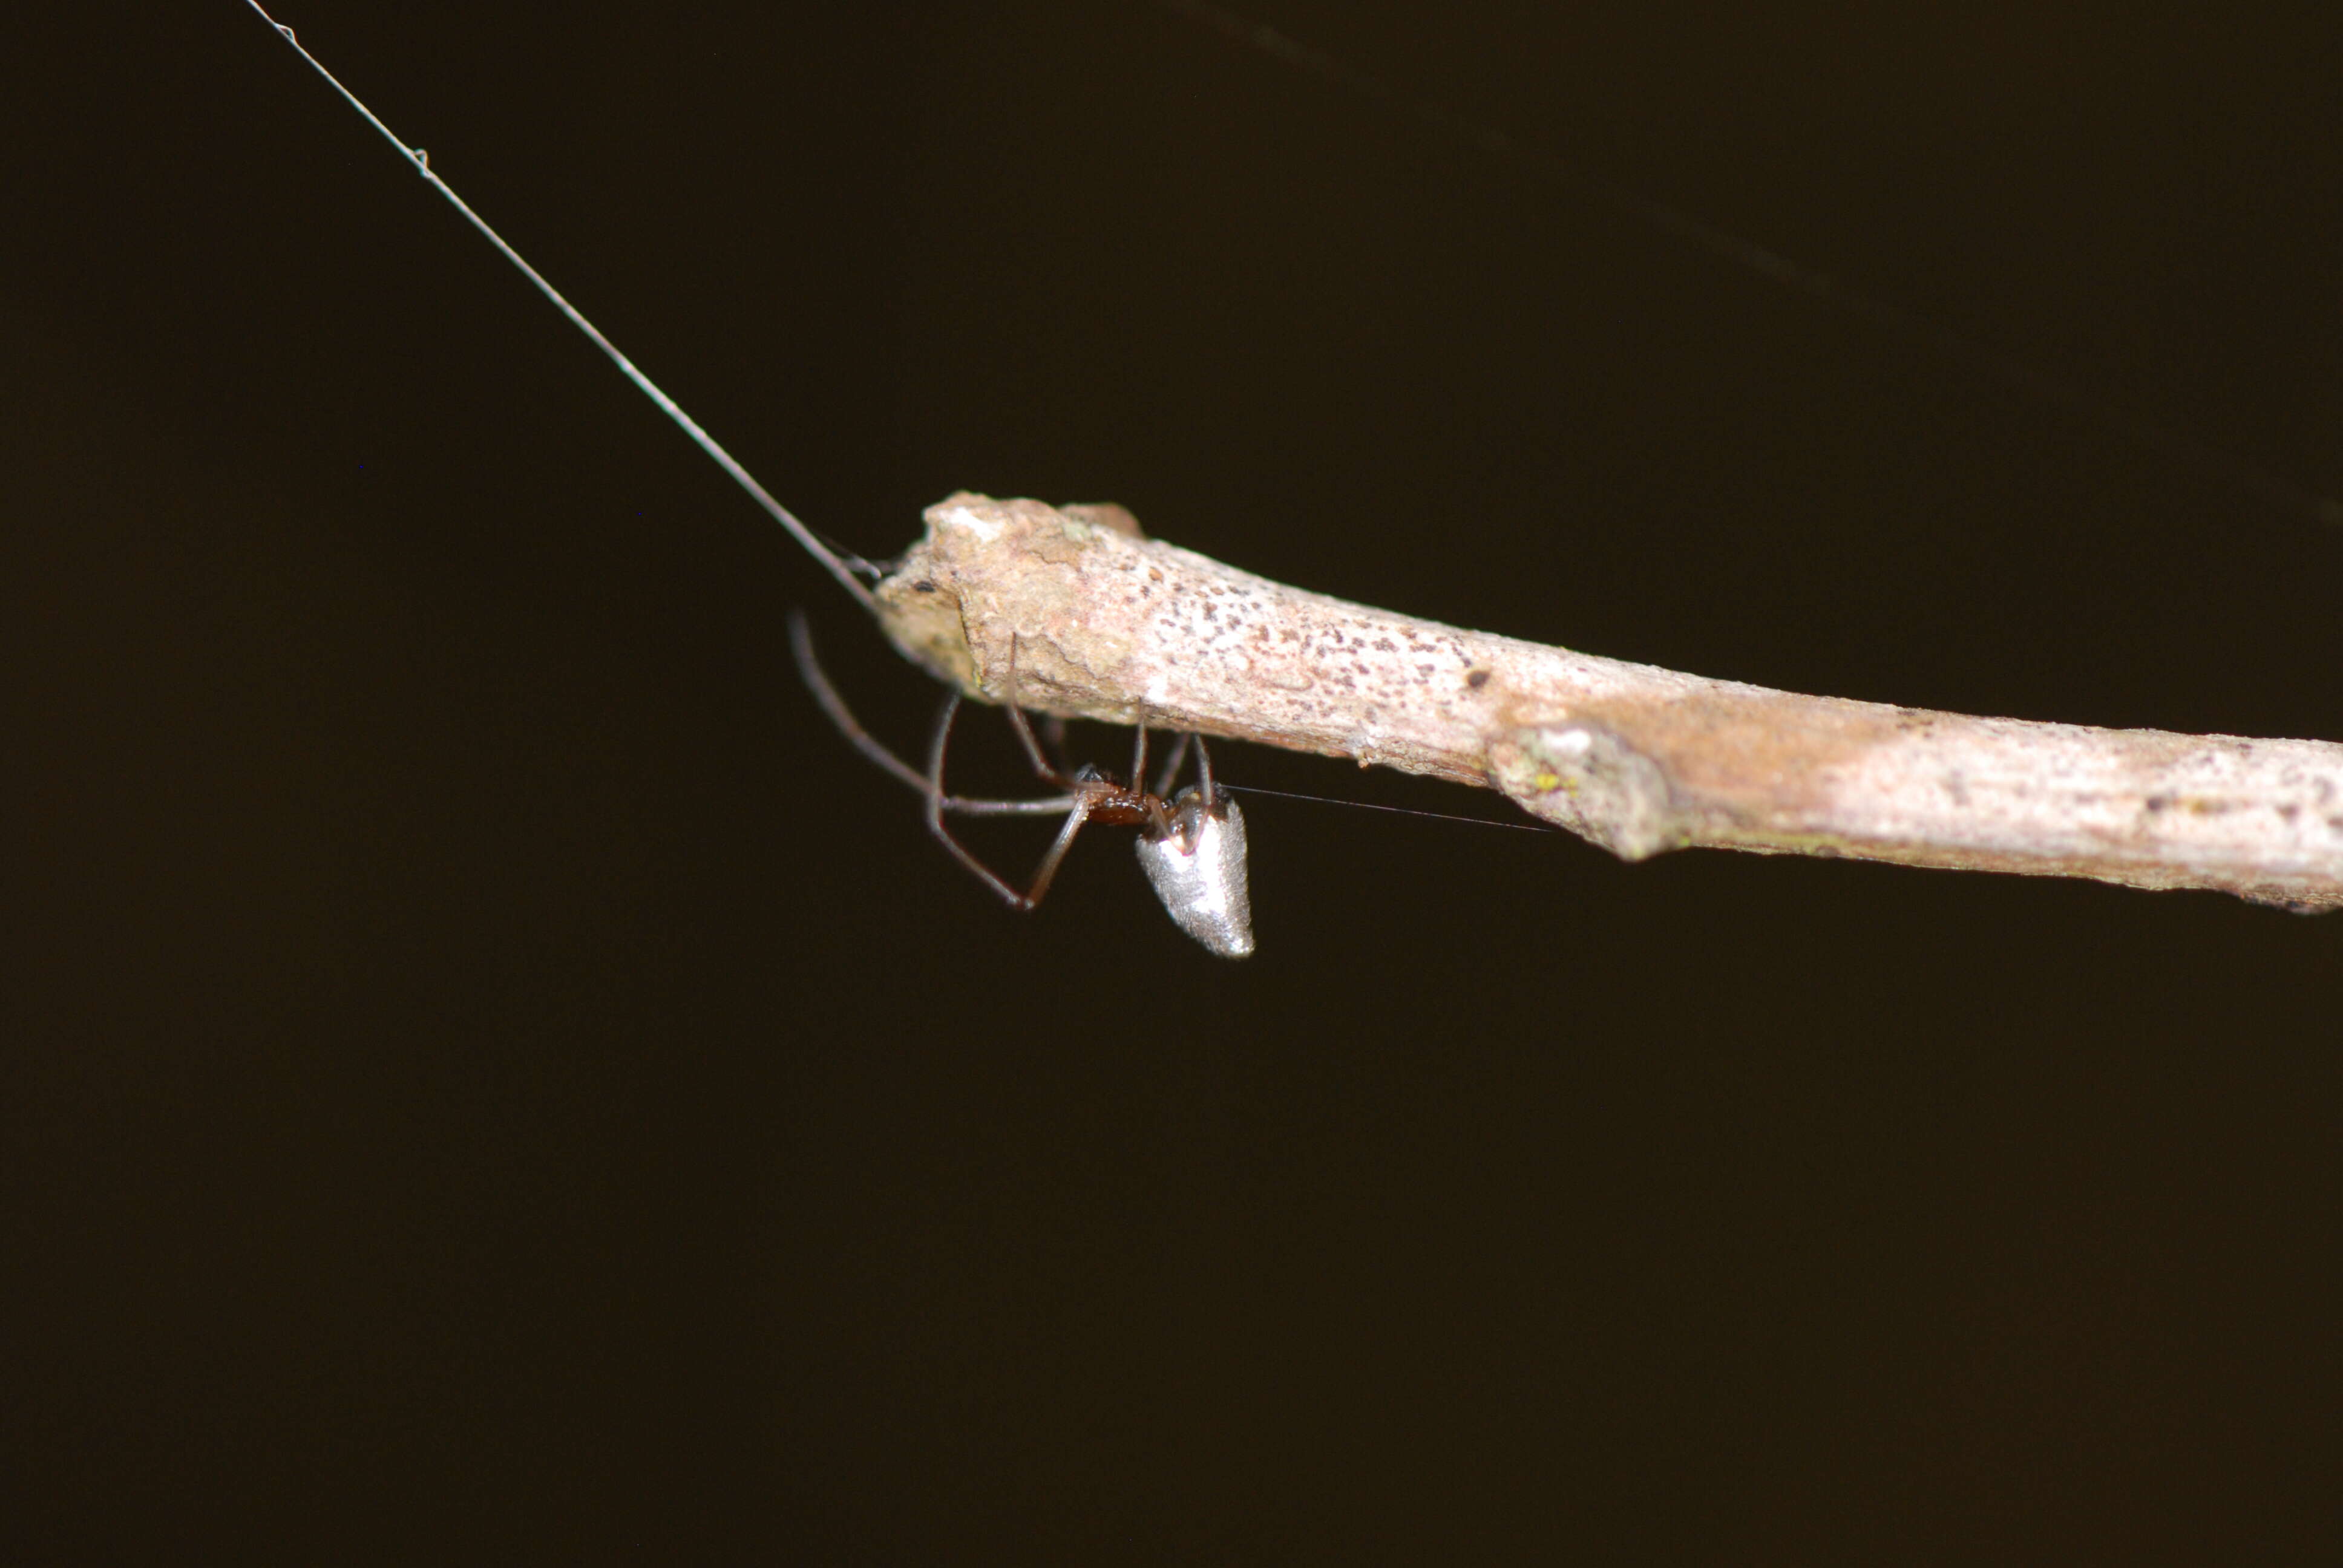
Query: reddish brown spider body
[1115, 805]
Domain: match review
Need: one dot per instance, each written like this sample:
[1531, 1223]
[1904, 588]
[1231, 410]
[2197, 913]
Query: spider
[1191, 845]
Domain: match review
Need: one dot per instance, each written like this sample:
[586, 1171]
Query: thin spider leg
[1138, 757]
[1041, 767]
[1048, 869]
[1164, 779]
[1039, 806]
[934, 785]
[1018, 722]
[827, 699]
[1204, 772]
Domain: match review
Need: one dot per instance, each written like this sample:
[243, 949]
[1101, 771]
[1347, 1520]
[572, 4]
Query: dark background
[489, 1075]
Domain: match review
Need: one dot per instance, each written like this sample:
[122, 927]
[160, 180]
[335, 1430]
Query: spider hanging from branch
[1191, 845]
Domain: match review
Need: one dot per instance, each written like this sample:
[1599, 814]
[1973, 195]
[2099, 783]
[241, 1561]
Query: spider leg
[1074, 804]
[1158, 821]
[1164, 781]
[1018, 722]
[1077, 808]
[1048, 869]
[834, 708]
[1138, 754]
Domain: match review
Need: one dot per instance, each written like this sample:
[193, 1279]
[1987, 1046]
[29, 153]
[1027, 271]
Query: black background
[489, 1075]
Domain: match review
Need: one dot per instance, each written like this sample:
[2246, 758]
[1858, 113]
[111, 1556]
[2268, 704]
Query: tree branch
[1107, 625]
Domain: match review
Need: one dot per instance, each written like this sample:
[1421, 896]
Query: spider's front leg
[1078, 808]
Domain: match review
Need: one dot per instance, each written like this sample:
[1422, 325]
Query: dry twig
[1110, 625]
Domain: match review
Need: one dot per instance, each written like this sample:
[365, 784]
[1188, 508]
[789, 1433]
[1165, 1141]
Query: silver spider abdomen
[1198, 870]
